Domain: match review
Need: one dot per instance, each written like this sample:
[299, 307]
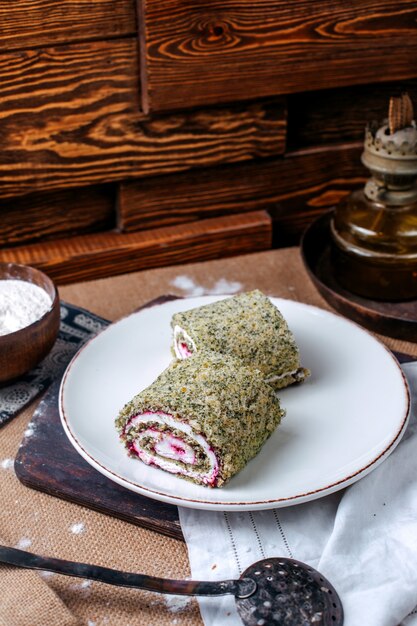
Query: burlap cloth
[50, 526]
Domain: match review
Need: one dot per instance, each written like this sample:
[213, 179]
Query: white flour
[30, 430]
[23, 543]
[84, 587]
[45, 574]
[175, 604]
[78, 528]
[191, 288]
[7, 464]
[21, 304]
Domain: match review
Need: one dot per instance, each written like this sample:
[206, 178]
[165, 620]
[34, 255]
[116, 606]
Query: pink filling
[166, 447]
[184, 350]
[170, 447]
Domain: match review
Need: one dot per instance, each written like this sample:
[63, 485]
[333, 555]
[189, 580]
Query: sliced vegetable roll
[248, 327]
[203, 418]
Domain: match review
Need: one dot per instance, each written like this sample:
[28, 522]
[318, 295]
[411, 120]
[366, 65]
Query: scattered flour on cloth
[191, 288]
[7, 464]
[175, 604]
[23, 543]
[78, 528]
[83, 586]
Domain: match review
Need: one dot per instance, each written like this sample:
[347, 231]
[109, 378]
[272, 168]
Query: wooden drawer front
[106, 254]
[210, 51]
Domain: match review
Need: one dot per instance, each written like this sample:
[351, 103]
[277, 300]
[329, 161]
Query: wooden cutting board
[47, 461]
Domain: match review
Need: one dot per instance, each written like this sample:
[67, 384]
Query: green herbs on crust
[247, 327]
[208, 398]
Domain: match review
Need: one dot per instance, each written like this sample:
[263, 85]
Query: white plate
[340, 424]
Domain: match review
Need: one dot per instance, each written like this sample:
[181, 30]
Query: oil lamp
[374, 230]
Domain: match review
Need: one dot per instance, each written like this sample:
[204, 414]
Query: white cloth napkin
[363, 539]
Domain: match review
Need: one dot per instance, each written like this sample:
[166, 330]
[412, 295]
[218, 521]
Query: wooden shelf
[106, 254]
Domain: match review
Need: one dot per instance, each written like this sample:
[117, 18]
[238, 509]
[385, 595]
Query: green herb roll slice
[248, 327]
[203, 418]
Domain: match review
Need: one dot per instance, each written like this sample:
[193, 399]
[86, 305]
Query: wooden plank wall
[214, 51]
[28, 24]
[92, 185]
[294, 190]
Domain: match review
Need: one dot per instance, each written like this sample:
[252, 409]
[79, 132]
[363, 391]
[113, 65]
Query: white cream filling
[166, 444]
[272, 379]
[180, 352]
[171, 447]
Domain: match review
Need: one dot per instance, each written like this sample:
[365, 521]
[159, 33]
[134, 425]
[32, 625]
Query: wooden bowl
[21, 350]
[393, 319]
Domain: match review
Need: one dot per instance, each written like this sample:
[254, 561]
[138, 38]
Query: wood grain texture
[295, 189]
[339, 115]
[57, 214]
[107, 254]
[69, 117]
[67, 475]
[212, 51]
[36, 23]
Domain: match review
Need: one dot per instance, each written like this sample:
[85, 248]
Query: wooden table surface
[46, 522]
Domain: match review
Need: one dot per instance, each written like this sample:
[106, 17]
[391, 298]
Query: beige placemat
[50, 526]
